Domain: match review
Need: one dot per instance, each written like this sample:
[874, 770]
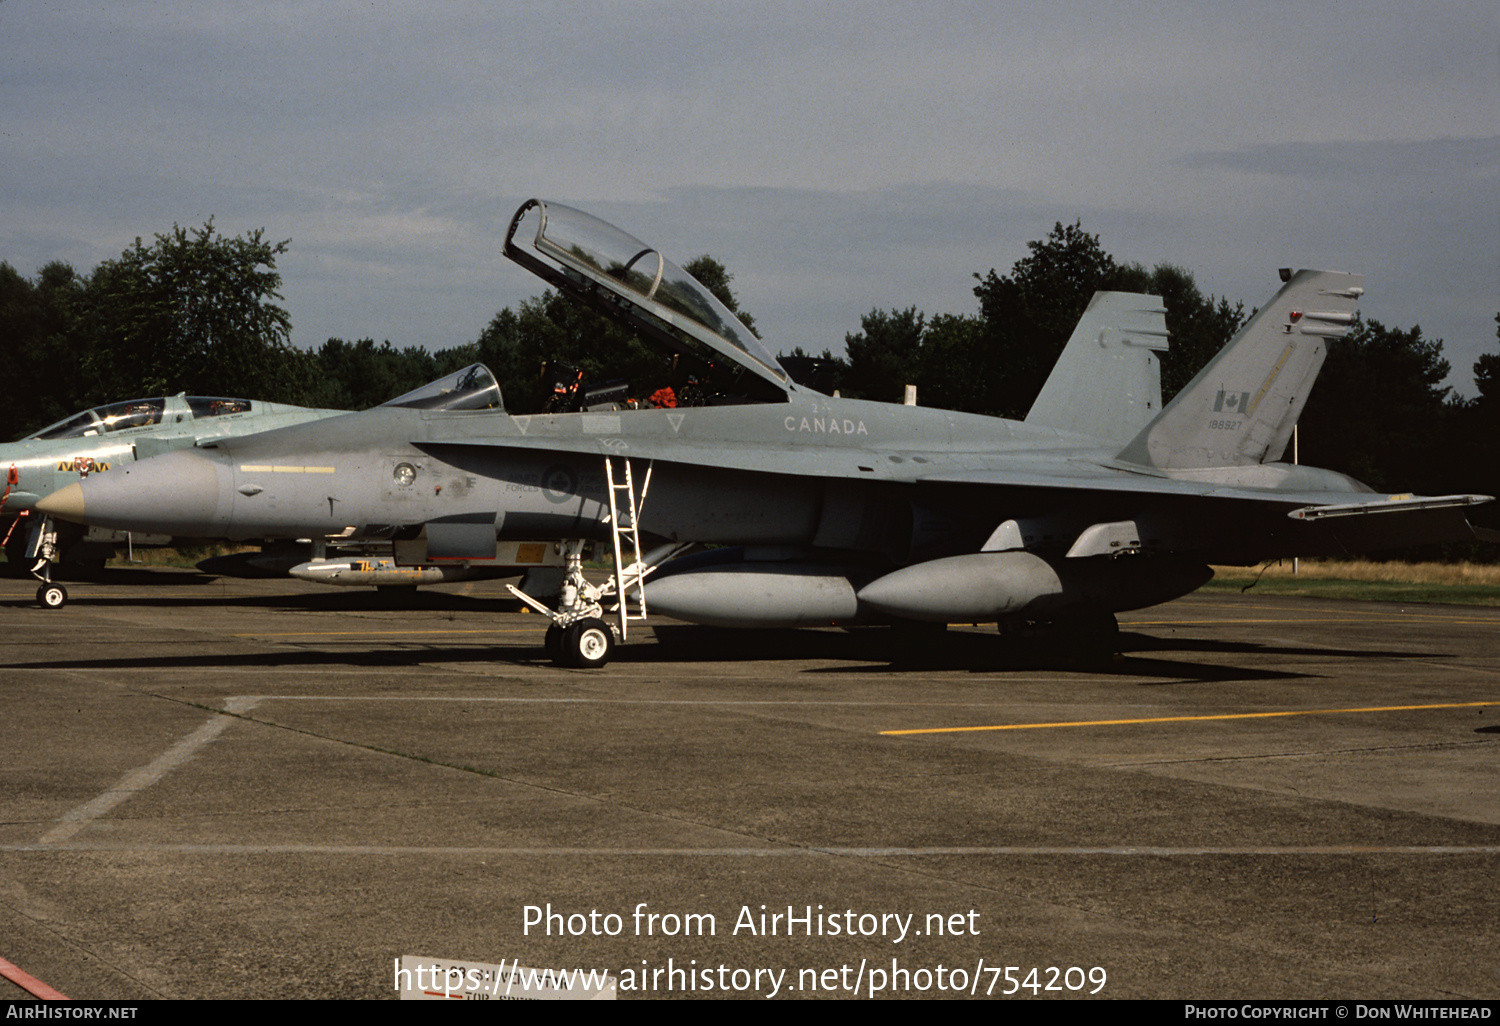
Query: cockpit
[714, 359]
[473, 388]
[137, 413]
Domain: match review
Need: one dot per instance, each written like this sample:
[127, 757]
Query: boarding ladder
[623, 533]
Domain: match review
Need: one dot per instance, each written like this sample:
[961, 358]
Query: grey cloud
[1431, 159]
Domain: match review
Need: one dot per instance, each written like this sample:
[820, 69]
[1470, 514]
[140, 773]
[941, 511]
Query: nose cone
[176, 493]
[64, 504]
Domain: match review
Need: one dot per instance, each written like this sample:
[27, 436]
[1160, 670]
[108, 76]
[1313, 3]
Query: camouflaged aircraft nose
[177, 493]
[64, 504]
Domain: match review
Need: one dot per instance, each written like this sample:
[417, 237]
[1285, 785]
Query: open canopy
[618, 274]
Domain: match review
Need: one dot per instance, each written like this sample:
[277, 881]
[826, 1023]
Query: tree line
[200, 312]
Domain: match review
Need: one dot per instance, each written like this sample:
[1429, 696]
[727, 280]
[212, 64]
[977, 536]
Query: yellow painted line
[366, 634]
[260, 468]
[1221, 620]
[1371, 619]
[1188, 719]
[1285, 355]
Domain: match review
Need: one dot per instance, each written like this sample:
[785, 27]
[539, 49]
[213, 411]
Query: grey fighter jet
[103, 439]
[817, 510]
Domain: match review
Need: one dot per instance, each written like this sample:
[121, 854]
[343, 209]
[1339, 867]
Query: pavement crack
[1363, 750]
[86, 951]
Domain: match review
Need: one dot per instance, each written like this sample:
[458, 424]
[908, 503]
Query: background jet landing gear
[41, 545]
[1092, 638]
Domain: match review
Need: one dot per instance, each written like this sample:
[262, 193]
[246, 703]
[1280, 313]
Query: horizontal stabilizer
[1394, 504]
[1394, 521]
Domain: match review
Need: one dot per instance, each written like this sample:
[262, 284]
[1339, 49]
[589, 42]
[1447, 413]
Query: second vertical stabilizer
[1107, 382]
[1241, 407]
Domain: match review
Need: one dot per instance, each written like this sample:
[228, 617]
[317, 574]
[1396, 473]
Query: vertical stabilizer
[1107, 382]
[1241, 407]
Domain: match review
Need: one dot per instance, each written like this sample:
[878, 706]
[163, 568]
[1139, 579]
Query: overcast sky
[836, 156]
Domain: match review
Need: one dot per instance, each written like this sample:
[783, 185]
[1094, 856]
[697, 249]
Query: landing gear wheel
[587, 644]
[553, 644]
[52, 596]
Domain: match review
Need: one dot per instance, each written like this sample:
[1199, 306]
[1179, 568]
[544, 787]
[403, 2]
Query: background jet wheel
[587, 644]
[553, 645]
[52, 596]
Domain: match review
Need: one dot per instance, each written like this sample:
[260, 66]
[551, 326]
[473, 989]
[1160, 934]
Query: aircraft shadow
[850, 659]
[313, 602]
[875, 650]
[856, 651]
[413, 655]
[122, 577]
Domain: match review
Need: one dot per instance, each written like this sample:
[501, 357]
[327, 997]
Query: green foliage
[997, 362]
[1049, 289]
[946, 379]
[715, 277]
[551, 327]
[38, 347]
[1476, 439]
[195, 312]
[828, 374]
[1028, 314]
[1487, 378]
[885, 354]
[904, 348]
[1359, 590]
[1380, 411]
[1199, 325]
[358, 375]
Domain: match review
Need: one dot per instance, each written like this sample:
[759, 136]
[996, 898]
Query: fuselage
[886, 482]
[94, 442]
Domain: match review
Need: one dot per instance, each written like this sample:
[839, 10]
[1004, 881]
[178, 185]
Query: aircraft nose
[175, 493]
[64, 504]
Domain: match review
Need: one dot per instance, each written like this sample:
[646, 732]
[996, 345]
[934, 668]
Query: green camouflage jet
[101, 440]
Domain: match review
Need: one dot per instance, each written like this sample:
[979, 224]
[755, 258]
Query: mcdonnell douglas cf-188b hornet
[816, 510]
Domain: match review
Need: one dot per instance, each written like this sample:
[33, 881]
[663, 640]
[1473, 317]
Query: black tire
[553, 645]
[52, 596]
[587, 644]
